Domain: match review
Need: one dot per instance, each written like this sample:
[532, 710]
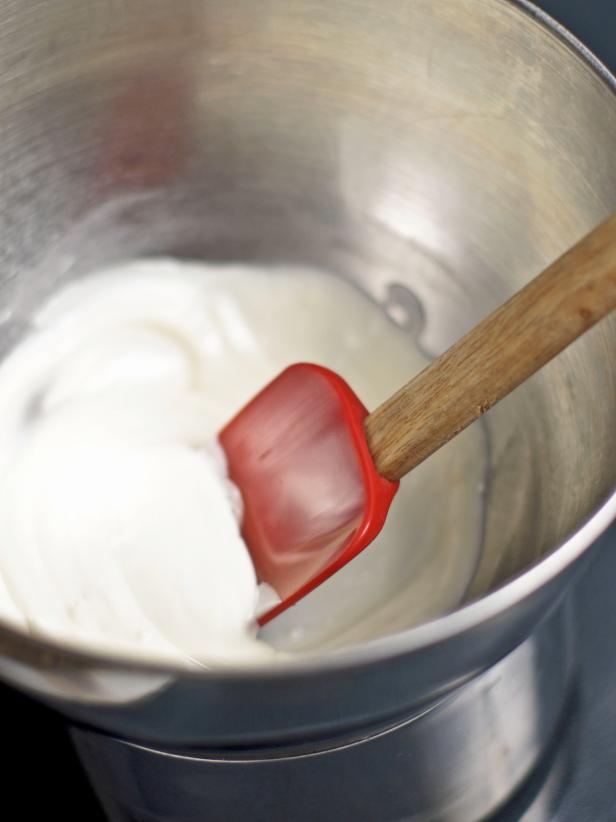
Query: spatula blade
[312, 497]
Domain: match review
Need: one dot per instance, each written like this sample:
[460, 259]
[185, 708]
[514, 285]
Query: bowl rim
[55, 657]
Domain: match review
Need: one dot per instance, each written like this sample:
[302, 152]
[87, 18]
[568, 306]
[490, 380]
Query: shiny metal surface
[454, 762]
[400, 146]
[575, 781]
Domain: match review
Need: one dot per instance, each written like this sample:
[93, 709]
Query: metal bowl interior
[443, 149]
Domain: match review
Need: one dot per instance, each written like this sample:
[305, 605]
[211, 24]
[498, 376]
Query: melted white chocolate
[119, 528]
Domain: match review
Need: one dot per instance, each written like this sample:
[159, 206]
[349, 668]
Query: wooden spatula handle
[497, 355]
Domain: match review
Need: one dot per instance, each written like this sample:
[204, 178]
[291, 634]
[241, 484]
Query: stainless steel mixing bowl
[438, 152]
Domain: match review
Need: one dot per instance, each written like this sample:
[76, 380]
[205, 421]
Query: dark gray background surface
[577, 783]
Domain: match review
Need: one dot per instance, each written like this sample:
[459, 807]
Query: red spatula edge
[379, 491]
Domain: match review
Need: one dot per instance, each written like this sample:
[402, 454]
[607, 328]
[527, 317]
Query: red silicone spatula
[318, 473]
